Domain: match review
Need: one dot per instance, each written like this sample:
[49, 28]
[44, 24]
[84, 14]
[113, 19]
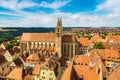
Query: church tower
[58, 32]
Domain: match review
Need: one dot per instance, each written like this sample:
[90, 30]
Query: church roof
[41, 37]
[69, 38]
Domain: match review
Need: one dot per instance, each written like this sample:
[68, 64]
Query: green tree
[8, 46]
[16, 44]
[88, 36]
[98, 45]
[12, 43]
[78, 35]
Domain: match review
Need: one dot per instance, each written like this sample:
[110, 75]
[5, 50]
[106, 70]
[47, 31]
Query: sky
[74, 13]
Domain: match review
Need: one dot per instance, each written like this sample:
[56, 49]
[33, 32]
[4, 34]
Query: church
[50, 43]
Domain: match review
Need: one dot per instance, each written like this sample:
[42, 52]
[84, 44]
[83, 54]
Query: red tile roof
[82, 60]
[86, 73]
[29, 77]
[69, 38]
[83, 41]
[33, 58]
[40, 37]
[96, 38]
[5, 71]
[67, 73]
[16, 74]
[36, 70]
[115, 75]
[107, 54]
[90, 72]
[113, 38]
[111, 53]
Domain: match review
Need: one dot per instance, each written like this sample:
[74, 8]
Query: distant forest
[11, 34]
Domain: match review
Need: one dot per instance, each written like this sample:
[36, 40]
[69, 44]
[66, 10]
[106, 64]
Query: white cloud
[15, 5]
[42, 19]
[110, 5]
[26, 4]
[54, 5]
[78, 19]
[10, 4]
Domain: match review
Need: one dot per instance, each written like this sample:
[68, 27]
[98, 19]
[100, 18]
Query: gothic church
[50, 43]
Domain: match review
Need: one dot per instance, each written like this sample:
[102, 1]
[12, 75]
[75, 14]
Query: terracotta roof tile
[113, 38]
[106, 53]
[69, 38]
[16, 74]
[115, 75]
[97, 61]
[48, 37]
[29, 77]
[96, 38]
[33, 57]
[104, 69]
[83, 41]
[90, 72]
[67, 73]
[4, 71]
[82, 60]
[36, 70]
[86, 73]
[111, 53]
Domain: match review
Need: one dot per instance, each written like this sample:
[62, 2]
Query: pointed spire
[59, 23]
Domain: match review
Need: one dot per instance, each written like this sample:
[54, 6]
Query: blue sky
[74, 13]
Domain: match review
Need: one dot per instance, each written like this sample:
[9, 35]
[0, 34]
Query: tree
[104, 35]
[12, 43]
[98, 45]
[88, 36]
[8, 46]
[78, 35]
[16, 44]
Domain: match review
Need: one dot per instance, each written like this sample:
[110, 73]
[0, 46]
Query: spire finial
[59, 23]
